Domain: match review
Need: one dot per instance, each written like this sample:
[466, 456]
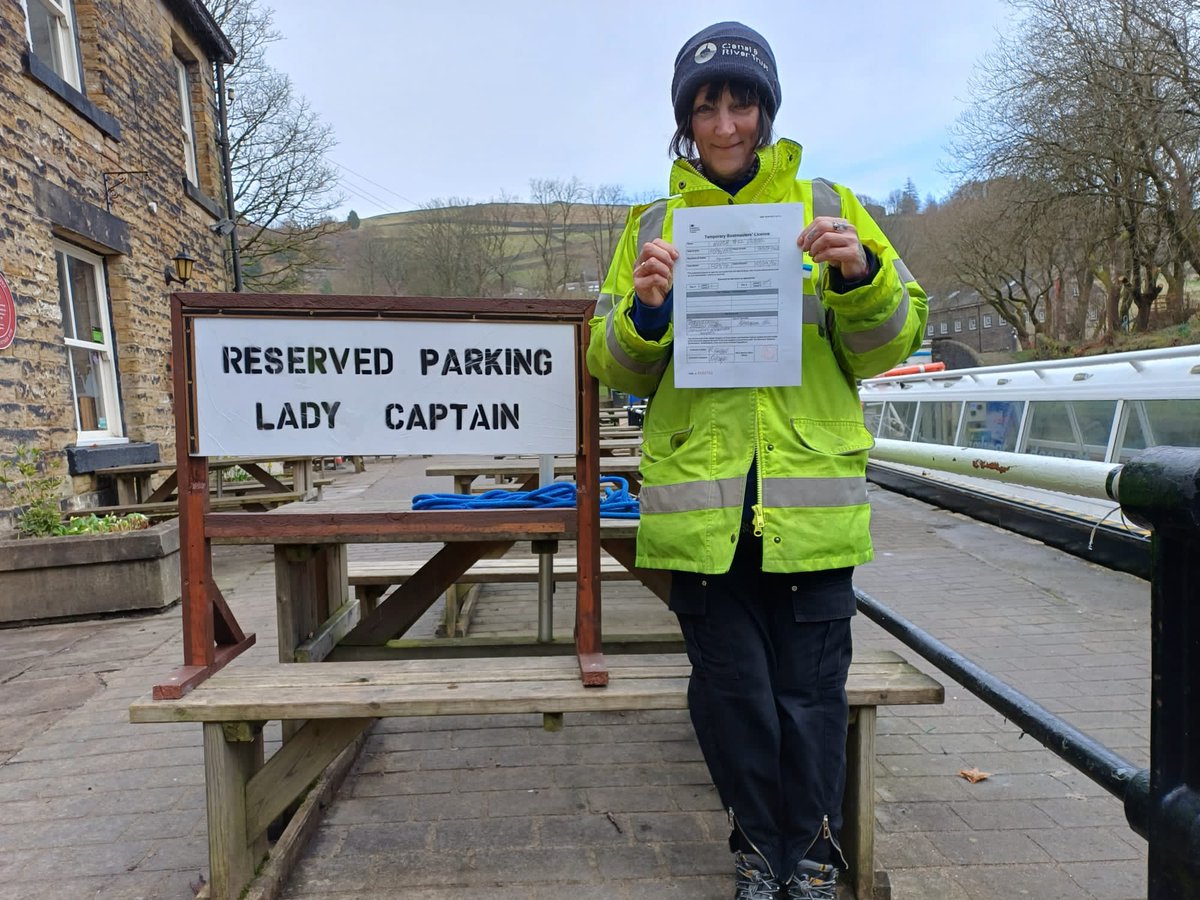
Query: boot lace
[752, 882]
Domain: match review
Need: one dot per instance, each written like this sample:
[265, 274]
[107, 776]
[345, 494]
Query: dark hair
[683, 143]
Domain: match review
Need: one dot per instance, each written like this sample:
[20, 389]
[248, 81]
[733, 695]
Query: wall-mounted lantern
[181, 270]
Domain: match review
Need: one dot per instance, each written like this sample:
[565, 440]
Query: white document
[739, 291]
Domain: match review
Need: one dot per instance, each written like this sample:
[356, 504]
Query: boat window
[937, 422]
[992, 425]
[872, 413]
[1075, 429]
[1149, 423]
[897, 421]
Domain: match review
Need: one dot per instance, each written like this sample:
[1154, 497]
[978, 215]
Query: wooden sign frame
[211, 634]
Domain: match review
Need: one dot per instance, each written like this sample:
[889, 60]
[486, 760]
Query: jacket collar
[778, 164]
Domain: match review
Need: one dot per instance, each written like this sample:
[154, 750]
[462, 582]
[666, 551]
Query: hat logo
[705, 52]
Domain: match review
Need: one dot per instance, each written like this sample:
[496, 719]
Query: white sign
[333, 387]
[739, 292]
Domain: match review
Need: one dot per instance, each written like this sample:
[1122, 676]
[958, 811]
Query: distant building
[964, 316]
[109, 168]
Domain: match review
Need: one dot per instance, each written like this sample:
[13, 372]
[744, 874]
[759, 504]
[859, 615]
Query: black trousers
[767, 698]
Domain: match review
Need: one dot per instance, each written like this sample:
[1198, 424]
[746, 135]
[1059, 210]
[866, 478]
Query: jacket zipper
[738, 828]
[757, 508]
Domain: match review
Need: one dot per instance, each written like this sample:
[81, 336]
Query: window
[189, 131]
[51, 26]
[972, 323]
[957, 325]
[943, 328]
[929, 330]
[1075, 429]
[937, 422]
[89, 343]
[987, 321]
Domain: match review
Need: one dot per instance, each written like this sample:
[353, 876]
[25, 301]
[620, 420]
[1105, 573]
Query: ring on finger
[840, 226]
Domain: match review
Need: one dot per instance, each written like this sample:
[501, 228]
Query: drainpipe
[235, 253]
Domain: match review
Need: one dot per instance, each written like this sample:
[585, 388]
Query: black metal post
[1160, 490]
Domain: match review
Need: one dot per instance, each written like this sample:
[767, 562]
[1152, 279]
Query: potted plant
[88, 566]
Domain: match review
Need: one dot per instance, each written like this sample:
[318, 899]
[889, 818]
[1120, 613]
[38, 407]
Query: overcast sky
[468, 98]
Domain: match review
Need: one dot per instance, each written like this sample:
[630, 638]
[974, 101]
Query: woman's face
[725, 133]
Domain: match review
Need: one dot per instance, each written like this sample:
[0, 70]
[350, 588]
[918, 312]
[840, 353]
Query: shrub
[32, 479]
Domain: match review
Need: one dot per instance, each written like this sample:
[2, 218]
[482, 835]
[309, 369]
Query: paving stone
[492, 806]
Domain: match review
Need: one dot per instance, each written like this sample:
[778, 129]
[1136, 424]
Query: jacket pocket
[658, 445]
[833, 437]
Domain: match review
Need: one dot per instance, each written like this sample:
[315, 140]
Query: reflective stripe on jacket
[698, 443]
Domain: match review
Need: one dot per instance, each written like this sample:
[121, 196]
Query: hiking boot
[754, 878]
[812, 881]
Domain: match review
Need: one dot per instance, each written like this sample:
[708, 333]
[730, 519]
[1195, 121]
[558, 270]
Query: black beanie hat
[721, 52]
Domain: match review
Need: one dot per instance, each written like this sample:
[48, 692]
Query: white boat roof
[1168, 373]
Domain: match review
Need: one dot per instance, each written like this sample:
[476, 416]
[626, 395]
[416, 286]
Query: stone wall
[56, 146]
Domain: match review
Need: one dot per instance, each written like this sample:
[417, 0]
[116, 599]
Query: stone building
[110, 166]
[965, 317]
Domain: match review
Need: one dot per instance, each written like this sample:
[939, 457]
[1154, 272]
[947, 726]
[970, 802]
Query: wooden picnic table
[318, 619]
[525, 470]
[134, 487]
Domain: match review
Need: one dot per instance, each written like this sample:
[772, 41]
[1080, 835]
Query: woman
[755, 498]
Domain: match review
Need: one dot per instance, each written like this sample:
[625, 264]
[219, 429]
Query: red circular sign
[8, 315]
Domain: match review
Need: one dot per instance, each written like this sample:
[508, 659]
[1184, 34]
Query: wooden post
[232, 852]
[858, 806]
[195, 560]
[588, 633]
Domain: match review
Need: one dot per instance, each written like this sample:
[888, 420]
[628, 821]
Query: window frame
[65, 37]
[987, 321]
[108, 380]
[191, 155]
[943, 328]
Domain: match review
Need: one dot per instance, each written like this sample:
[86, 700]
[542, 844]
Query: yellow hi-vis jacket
[698, 443]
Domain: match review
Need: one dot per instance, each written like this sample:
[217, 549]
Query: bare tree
[609, 209]
[284, 187]
[1099, 100]
[462, 249]
[554, 203]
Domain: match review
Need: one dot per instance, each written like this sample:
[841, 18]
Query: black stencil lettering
[232, 359]
[383, 361]
[339, 359]
[331, 410]
[520, 363]
[459, 409]
[310, 415]
[253, 360]
[491, 362]
[287, 416]
[316, 359]
[362, 361]
[509, 415]
[437, 412]
[473, 361]
[480, 420]
[274, 360]
[392, 416]
[262, 426]
[429, 358]
[451, 364]
[542, 363]
[295, 360]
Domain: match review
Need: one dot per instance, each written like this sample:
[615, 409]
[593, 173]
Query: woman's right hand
[654, 272]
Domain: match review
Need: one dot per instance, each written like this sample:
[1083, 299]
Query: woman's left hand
[835, 241]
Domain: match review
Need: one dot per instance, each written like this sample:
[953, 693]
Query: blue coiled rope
[615, 503]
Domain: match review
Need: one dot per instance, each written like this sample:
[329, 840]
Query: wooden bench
[166, 509]
[372, 579]
[337, 702]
